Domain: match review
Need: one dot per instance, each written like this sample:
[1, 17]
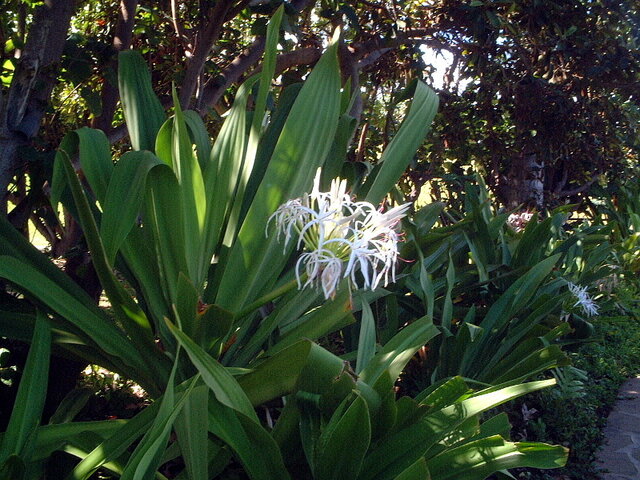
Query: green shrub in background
[504, 298]
[578, 420]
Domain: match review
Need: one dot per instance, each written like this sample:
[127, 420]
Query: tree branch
[204, 41]
[215, 87]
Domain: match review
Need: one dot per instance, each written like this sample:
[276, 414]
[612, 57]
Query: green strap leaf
[276, 376]
[125, 307]
[255, 132]
[366, 339]
[121, 437]
[224, 168]
[347, 430]
[256, 449]
[124, 199]
[255, 261]
[192, 192]
[143, 111]
[192, 431]
[30, 398]
[404, 145]
[91, 321]
[483, 457]
[199, 137]
[147, 456]
[225, 388]
[399, 350]
[417, 471]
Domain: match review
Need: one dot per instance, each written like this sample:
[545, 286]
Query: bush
[578, 422]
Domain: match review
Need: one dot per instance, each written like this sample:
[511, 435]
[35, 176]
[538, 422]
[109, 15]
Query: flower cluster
[589, 307]
[341, 237]
[518, 221]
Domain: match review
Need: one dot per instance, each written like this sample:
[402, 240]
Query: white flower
[342, 238]
[518, 221]
[589, 307]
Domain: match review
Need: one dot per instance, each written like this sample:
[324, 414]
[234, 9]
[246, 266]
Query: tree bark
[30, 91]
[525, 179]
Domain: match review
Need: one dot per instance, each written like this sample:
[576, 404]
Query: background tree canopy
[540, 96]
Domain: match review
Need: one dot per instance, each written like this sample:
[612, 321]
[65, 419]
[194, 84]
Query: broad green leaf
[199, 137]
[347, 430]
[520, 367]
[366, 339]
[336, 157]
[404, 145]
[186, 307]
[194, 198]
[290, 306]
[326, 319]
[146, 458]
[27, 410]
[483, 457]
[255, 448]
[510, 302]
[400, 450]
[125, 307]
[192, 431]
[94, 152]
[94, 323]
[71, 405]
[124, 199]
[123, 434]
[399, 350]
[218, 379]
[268, 143]
[275, 376]
[13, 244]
[224, 169]
[533, 244]
[255, 132]
[447, 310]
[163, 143]
[449, 418]
[396, 453]
[164, 211]
[383, 420]
[417, 471]
[519, 331]
[143, 112]
[445, 394]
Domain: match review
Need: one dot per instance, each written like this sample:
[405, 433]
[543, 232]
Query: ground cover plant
[577, 418]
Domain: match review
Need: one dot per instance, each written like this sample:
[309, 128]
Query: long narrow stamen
[341, 238]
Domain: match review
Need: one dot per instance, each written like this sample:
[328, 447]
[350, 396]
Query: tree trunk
[121, 41]
[525, 179]
[525, 183]
[30, 91]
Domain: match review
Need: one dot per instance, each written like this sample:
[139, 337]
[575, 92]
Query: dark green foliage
[578, 422]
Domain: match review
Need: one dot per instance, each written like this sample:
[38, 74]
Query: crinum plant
[175, 228]
[204, 311]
